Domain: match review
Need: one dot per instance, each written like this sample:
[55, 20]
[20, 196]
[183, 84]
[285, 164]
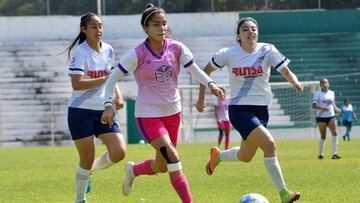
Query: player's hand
[215, 90]
[299, 87]
[200, 105]
[119, 103]
[108, 116]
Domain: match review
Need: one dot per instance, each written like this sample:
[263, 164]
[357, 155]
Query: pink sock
[181, 185]
[143, 168]
[227, 142]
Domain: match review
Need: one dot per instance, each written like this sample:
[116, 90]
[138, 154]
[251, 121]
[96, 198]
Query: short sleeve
[77, 63]
[277, 59]
[186, 58]
[219, 59]
[128, 62]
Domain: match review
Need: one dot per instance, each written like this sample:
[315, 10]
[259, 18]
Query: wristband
[210, 83]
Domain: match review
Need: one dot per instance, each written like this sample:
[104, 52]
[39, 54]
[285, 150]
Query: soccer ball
[253, 198]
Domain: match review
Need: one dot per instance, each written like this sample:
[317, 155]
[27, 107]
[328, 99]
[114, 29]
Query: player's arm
[79, 83]
[200, 104]
[336, 109]
[292, 79]
[118, 101]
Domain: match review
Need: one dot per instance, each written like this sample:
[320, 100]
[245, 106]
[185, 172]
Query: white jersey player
[324, 103]
[249, 64]
[90, 65]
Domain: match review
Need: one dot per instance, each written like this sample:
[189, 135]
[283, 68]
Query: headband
[152, 12]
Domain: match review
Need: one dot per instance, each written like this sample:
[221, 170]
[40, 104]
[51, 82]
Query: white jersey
[87, 62]
[324, 99]
[250, 72]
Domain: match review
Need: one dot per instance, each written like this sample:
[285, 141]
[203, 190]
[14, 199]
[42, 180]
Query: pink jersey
[157, 77]
[222, 109]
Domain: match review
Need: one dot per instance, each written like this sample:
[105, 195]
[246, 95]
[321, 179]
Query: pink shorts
[152, 128]
[224, 125]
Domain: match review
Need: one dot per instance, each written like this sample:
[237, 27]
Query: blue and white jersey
[347, 112]
[250, 72]
[324, 99]
[89, 63]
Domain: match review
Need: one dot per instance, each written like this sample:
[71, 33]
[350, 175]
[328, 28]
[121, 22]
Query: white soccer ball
[141, 142]
[253, 198]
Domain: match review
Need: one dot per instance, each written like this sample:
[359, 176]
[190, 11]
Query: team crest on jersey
[164, 73]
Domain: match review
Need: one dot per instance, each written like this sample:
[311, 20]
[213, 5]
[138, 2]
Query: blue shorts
[324, 120]
[347, 123]
[245, 118]
[85, 122]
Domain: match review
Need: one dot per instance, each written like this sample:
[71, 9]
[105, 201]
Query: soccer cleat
[335, 156]
[88, 186]
[129, 178]
[214, 160]
[344, 137]
[320, 157]
[288, 197]
[82, 201]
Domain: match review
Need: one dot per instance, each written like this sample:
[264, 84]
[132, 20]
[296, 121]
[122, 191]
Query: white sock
[82, 177]
[273, 168]
[334, 144]
[229, 155]
[102, 162]
[321, 147]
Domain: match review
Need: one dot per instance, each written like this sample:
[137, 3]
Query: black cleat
[320, 157]
[335, 156]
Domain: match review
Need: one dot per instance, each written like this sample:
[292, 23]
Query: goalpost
[291, 115]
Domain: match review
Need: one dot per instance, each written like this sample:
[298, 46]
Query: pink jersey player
[156, 64]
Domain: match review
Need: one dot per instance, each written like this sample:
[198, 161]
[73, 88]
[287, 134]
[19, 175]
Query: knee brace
[171, 165]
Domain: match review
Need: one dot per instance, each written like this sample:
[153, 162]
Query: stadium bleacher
[35, 86]
[335, 56]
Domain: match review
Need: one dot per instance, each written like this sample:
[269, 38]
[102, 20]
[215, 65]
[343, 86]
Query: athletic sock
[334, 144]
[273, 168]
[143, 168]
[102, 162]
[81, 179]
[229, 155]
[321, 147]
[181, 186]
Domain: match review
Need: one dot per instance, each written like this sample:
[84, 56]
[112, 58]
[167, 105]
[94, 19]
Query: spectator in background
[90, 65]
[324, 103]
[347, 114]
[222, 118]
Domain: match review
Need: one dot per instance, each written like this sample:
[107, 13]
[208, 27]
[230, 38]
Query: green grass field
[46, 174]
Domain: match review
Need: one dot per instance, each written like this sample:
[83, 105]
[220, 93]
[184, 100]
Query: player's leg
[173, 164]
[86, 150]
[349, 130]
[333, 129]
[221, 132]
[261, 137]
[322, 129]
[227, 133]
[116, 148]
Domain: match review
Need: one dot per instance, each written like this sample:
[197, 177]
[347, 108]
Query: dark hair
[85, 19]
[149, 12]
[242, 21]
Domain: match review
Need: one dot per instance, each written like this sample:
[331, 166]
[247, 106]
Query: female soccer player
[347, 114]
[249, 64]
[222, 119]
[90, 65]
[324, 103]
[156, 65]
